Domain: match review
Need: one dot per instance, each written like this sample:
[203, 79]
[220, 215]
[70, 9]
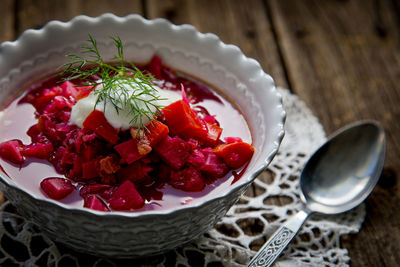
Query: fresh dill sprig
[120, 83]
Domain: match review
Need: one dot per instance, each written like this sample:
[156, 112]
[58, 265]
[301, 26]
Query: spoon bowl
[338, 176]
[344, 171]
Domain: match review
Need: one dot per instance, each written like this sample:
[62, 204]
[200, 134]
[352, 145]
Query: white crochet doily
[270, 201]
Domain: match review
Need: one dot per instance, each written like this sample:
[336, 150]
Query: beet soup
[57, 144]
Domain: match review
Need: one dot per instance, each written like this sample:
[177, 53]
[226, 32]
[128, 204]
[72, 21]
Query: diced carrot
[157, 132]
[235, 155]
[109, 164]
[97, 122]
[213, 134]
[181, 119]
[84, 91]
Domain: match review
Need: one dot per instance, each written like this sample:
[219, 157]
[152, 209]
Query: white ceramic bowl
[132, 234]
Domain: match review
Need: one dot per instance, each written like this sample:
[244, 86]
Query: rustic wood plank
[343, 59]
[34, 13]
[7, 20]
[245, 24]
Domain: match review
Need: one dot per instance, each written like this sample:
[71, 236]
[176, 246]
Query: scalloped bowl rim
[9, 46]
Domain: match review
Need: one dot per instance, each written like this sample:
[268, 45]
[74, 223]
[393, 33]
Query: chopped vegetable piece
[11, 151]
[182, 120]
[229, 140]
[93, 189]
[90, 169]
[212, 164]
[174, 151]
[134, 172]
[128, 151]
[212, 136]
[94, 203]
[109, 164]
[126, 197]
[156, 132]
[188, 179]
[57, 188]
[99, 124]
[236, 154]
[38, 150]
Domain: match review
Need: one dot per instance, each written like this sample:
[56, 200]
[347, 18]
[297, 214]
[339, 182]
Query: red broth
[18, 117]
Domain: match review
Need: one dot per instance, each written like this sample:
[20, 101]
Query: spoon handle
[270, 251]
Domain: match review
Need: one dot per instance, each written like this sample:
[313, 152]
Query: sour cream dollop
[122, 118]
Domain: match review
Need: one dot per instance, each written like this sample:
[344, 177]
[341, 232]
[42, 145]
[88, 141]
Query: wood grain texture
[35, 13]
[242, 23]
[343, 59]
[7, 19]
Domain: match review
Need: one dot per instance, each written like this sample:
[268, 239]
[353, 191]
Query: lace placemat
[234, 240]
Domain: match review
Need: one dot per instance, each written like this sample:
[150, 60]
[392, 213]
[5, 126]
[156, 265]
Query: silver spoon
[337, 178]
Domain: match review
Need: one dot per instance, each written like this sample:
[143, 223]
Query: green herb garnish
[122, 84]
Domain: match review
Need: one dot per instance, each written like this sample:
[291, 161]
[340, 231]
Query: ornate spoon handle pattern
[271, 250]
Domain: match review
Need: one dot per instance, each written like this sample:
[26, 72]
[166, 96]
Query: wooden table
[342, 57]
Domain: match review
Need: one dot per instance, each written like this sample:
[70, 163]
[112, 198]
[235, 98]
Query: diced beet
[64, 127]
[236, 154]
[93, 189]
[41, 102]
[134, 172]
[92, 151]
[212, 164]
[174, 151]
[88, 137]
[68, 158]
[188, 179]
[126, 197]
[56, 187]
[163, 172]
[58, 103]
[97, 122]
[109, 179]
[33, 131]
[196, 158]
[107, 194]
[11, 151]
[38, 150]
[128, 151]
[94, 203]
[194, 144]
[90, 169]
[69, 90]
